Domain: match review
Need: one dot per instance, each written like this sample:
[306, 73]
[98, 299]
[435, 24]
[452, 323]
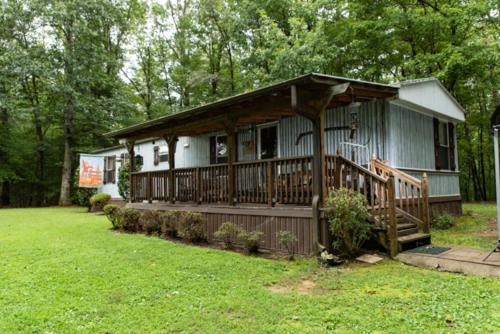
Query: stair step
[405, 226]
[407, 231]
[413, 237]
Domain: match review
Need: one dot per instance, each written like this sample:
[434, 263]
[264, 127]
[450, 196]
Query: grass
[475, 228]
[64, 271]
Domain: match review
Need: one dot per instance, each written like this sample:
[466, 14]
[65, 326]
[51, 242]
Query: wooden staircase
[409, 233]
[398, 202]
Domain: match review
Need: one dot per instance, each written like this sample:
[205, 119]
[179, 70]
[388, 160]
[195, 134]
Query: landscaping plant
[347, 214]
[131, 220]
[442, 220]
[169, 223]
[98, 201]
[114, 214]
[288, 240]
[151, 221]
[226, 234]
[123, 181]
[191, 227]
[250, 240]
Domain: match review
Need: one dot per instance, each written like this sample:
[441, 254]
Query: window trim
[264, 126]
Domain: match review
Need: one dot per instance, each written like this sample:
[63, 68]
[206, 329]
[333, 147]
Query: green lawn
[475, 228]
[64, 271]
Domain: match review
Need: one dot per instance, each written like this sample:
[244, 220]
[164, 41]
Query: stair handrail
[404, 182]
[384, 190]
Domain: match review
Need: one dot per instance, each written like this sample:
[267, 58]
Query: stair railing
[378, 190]
[411, 194]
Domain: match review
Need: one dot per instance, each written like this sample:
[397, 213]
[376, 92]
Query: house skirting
[297, 220]
[449, 203]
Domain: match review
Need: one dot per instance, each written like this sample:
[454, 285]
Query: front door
[268, 141]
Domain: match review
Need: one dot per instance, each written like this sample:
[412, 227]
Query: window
[163, 153]
[160, 154]
[109, 169]
[444, 145]
[218, 149]
[268, 142]
[443, 134]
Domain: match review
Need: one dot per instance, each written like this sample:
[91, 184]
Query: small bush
[131, 220]
[347, 212]
[226, 234]
[288, 240]
[98, 201]
[169, 223]
[250, 240]
[191, 227]
[442, 220]
[114, 215]
[151, 221]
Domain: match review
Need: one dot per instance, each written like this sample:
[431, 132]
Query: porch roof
[258, 106]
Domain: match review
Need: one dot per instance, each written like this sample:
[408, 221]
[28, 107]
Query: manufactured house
[267, 159]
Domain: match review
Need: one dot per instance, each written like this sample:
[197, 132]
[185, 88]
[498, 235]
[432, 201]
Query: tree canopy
[71, 70]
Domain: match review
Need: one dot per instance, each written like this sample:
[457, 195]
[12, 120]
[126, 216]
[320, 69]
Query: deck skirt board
[299, 212]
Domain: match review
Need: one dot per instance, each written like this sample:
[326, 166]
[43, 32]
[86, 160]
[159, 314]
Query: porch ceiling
[262, 105]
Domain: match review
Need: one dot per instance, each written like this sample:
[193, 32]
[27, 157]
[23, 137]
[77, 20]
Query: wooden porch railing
[282, 181]
[411, 194]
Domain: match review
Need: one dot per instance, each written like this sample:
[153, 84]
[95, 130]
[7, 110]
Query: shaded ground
[475, 228]
[63, 271]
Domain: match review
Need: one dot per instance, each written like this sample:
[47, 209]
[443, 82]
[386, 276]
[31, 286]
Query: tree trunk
[4, 185]
[40, 146]
[69, 111]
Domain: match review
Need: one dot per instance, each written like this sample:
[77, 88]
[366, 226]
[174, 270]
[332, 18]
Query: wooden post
[149, 188]
[337, 176]
[131, 168]
[392, 228]
[312, 105]
[270, 181]
[425, 197]
[171, 140]
[198, 185]
[231, 157]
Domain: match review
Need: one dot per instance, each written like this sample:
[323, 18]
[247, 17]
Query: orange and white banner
[91, 171]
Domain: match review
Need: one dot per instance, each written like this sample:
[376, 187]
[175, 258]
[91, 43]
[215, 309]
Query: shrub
[131, 220]
[150, 221]
[288, 240]
[123, 183]
[191, 227]
[347, 212]
[442, 220]
[250, 240]
[98, 201]
[114, 215]
[169, 223]
[227, 233]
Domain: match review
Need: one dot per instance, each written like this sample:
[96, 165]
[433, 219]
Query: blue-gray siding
[410, 138]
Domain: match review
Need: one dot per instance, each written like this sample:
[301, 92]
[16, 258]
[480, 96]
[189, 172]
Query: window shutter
[436, 143]
[156, 155]
[113, 169]
[213, 150]
[105, 172]
[451, 141]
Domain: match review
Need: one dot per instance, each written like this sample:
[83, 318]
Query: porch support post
[230, 129]
[425, 197]
[312, 105]
[129, 144]
[171, 140]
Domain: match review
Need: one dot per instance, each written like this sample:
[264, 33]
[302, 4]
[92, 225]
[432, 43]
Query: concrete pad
[368, 258]
[458, 259]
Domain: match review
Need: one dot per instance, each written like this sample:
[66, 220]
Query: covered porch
[290, 187]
